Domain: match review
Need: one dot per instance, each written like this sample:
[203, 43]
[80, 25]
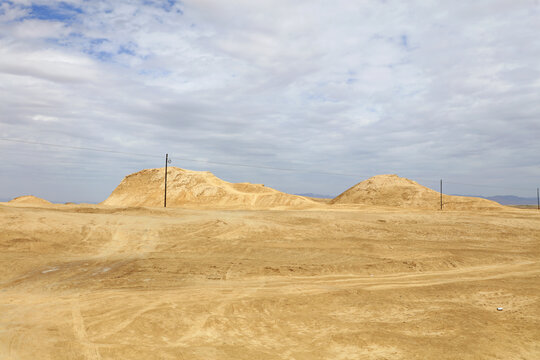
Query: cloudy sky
[337, 90]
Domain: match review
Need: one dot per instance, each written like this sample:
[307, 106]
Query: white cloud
[44, 118]
[424, 89]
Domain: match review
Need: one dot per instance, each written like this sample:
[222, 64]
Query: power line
[78, 147]
[232, 163]
[179, 158]
[433, 181]
[490, 186]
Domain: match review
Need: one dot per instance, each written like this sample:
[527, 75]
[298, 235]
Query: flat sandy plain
[97, 282]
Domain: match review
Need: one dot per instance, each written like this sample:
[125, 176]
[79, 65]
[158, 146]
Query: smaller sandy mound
[29, 200]
[395, 191]
[199, 189]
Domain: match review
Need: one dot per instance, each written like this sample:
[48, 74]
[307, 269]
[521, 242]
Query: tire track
[91, 352]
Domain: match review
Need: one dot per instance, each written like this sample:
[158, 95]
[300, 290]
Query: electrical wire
[180, 158]
[78, 147]
[231, 163]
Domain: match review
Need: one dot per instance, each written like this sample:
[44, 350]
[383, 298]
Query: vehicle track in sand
[90, 350]
[192, 284]
[286, 285]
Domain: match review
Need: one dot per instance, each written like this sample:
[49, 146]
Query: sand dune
[395, 191]
[200, 189]
[29, 200]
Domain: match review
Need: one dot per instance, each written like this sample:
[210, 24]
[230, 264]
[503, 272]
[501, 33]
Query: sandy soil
[396, 191]
[199, 189]
[97, 282]
[29, 200]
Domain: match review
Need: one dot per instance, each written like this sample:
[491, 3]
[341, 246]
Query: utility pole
[441, 194]
[538, 197]
[166, 162]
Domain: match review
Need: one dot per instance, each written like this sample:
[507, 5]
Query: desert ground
[345, 281]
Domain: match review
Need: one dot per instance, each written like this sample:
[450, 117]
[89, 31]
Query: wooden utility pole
[166, 162]
[538, 197]
[441, 194]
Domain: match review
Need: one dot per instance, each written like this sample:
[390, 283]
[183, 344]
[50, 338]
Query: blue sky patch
[126, 50]
[165, 5]
[98, 41]
[62, 12]
[154, 73]
[404, 41]
[100, 55]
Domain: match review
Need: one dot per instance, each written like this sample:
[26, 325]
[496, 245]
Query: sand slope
[29, 200]
[199, 188]
[395, 191]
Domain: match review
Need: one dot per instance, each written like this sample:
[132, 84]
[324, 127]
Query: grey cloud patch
[425, 90]
[46, 74]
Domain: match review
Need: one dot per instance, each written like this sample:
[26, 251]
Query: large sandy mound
[200, 188]
[395, 191]
[29, 200]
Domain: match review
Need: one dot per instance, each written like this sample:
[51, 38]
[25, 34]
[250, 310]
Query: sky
[337, 91]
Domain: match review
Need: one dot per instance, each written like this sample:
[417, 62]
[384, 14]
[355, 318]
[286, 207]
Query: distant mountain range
[501, 199]
[508, 199]
[319, 196]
